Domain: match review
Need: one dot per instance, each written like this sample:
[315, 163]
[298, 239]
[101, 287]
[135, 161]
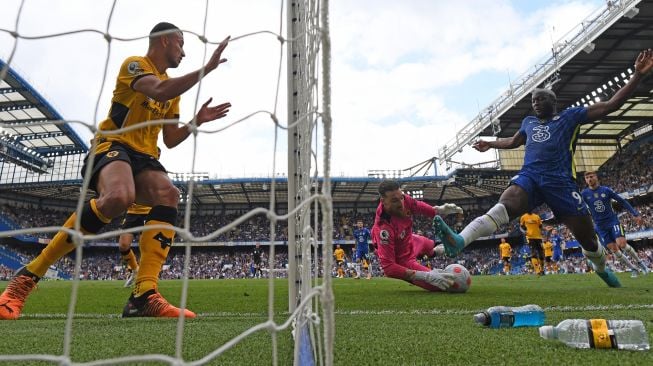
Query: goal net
[304, 49]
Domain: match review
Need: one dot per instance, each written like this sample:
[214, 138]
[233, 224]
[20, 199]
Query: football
[462, 278]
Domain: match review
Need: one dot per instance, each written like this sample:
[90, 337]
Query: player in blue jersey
[606, 223]
[362, 237]
[548, 174]
[558, 242]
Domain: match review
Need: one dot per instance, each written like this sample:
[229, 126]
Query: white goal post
[308, 32]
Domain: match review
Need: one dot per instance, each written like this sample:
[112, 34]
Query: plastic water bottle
[510, 317]
[599, 333]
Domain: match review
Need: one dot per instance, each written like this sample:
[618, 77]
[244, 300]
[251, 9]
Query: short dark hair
[162, 27]
[388, 186]
[590, 172]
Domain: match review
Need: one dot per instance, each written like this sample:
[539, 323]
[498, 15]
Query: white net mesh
[309, 208]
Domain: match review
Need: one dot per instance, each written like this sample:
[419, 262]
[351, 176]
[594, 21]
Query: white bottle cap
[482, 318]
[547, 332]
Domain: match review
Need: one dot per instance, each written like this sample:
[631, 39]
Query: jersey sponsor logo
[158, 109]
[541, 133]
[134, 68]
[599, 206]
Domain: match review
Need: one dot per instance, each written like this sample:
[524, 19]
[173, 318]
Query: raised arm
[624, 203]
[516, 140]
[164, 90]
[643, 65]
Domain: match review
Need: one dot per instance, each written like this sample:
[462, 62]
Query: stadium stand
[229, 256]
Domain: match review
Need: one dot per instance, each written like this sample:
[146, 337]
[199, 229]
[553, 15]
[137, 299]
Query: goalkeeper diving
[397, 247]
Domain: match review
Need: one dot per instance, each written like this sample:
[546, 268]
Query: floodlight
[631, 13]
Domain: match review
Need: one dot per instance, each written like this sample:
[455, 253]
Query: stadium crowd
[258, 228]
[628, 170]
[237, 262]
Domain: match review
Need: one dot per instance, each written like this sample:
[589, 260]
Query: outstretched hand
[448, 209]
[481, 145]
[440, 279]
[206, 113]
[644, 61]
[216, 59]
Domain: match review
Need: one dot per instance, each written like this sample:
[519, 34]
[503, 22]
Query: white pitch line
[224, 314]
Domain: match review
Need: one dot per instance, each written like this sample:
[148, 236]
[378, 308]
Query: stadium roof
[31, 129]
[256, 192]
[575, 71]
[589, 67]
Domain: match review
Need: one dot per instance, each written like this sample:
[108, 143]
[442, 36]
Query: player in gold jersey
[531, 223]
[339, 253]
[124, 169]
[506, 254]
[548, 254]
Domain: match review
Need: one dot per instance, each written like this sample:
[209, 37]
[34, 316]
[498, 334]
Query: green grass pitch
[378, 322]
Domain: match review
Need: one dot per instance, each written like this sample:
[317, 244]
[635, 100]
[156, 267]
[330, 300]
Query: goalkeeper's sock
[486, 224]
[625, 261]
[130, 258]
[92, 221]
[154, 245]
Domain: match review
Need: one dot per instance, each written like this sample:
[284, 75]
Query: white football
[462, 278]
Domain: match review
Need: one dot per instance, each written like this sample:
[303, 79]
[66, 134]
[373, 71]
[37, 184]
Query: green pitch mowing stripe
[550, 309]
[378, 322]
